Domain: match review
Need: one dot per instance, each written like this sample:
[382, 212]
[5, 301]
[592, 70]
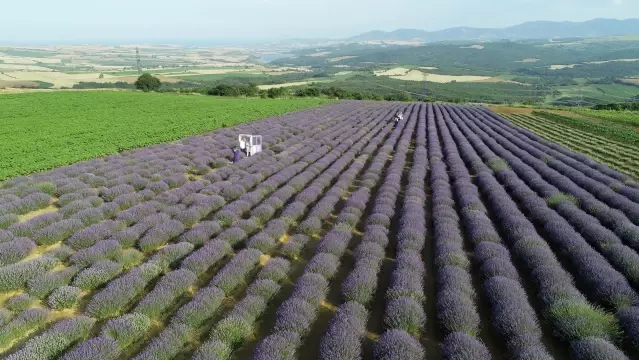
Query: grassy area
[44, 85]
[607, 129]
[618, 155]
[44, 130]
[627, 118]
[613, 93]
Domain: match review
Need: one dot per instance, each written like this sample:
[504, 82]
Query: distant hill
[528, 30]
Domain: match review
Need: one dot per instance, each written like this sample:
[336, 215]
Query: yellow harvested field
[27, 60]
[342, 66]
[22, 67]
[320, 54]
[22, 91]
[232, 59]
[336, 59]
[343, 73]
[299, 83]
[477, 47]
[428, 68]
[106, 67]
[631, 81]
[12, 60]
[132, 79]
[17, 84]
[392, 72]
[60, 79]
[529, 60]
[416, 75]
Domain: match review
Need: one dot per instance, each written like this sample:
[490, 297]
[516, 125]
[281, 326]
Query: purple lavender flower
[405, 314]
[398, 345]
[58, 231]
[201, 308]
[201, 233]
[15, 250]
[167, 344]
[207, 256]
[95, 348]
[312, 288]
[461, 346]
[160, 235]
[264, 288]
[172, 253]
[114, 192]
[262, 242]
[166, 291]
[93, 234]
[295, 315]
[323, 264]
[50, 343]
[593, 348]
[103, 250]
[15, 276]
[43, 284]
[279, 346]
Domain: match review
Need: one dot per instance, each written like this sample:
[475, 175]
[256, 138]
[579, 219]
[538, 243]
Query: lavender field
[453, 235]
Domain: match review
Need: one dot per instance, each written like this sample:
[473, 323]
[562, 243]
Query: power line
[138, 60]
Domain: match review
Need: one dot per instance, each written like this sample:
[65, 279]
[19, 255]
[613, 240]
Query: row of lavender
[296, 316]
[545, 241]
[347, 330]
[148, 270]
[238, 324]
[164, 252]
[552, 235]
[481, 210]
[57, 229]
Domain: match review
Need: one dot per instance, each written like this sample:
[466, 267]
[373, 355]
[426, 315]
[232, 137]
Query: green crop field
[605, 141]
[612, 93]
[626, 118]
[41, 131]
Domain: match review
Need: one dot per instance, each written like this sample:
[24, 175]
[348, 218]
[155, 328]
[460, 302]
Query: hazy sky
[130, 20]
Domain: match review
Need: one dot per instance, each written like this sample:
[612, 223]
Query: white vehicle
[399, 117]
[250, 144]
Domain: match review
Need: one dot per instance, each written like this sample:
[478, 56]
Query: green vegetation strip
[578, 142]
[608, 130]
[588, 142]
[40, 131]
[626, 118]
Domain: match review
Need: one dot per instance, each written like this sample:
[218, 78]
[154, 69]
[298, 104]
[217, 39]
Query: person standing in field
[236, 155]
[398, 117]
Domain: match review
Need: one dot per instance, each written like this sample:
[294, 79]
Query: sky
[82, 21]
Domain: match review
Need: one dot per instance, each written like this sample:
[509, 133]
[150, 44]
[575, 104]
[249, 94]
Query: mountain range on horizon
[527, 30]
